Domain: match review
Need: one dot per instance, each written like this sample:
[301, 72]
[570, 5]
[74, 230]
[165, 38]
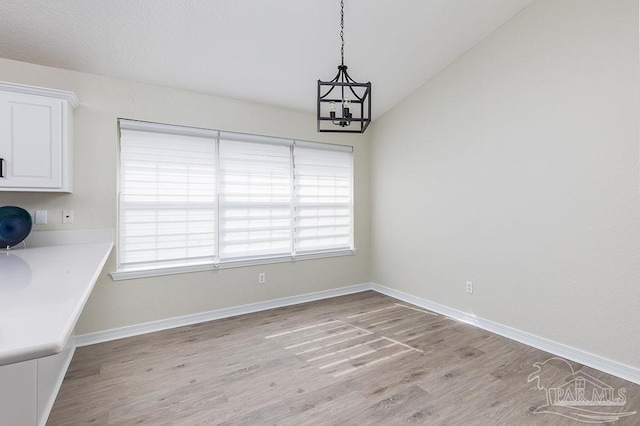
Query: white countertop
[42, 293]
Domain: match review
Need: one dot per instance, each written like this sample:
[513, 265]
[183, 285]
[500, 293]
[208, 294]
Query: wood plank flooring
[353, 360]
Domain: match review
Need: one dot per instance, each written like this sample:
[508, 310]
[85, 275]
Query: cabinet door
[18, 392]
[30, 141]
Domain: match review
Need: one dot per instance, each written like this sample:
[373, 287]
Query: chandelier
[344, 106]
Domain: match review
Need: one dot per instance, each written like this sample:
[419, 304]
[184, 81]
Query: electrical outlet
[67, 216]
[469, 287]
[262, 278]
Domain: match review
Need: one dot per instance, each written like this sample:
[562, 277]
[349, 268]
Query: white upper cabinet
[36, 139]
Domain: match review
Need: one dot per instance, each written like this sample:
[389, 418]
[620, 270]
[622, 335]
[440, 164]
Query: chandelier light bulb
[346, 113]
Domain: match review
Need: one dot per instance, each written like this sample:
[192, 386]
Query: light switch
[41, 217]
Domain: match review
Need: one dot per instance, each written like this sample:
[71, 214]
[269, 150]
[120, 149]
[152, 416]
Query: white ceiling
[271, 52]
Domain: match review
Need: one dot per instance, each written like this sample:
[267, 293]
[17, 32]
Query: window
[323, 194]
[195, 199]
[255, 198]
[167, 197]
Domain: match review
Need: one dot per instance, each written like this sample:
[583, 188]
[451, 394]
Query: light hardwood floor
[353, 360]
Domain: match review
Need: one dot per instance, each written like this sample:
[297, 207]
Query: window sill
[129, 274]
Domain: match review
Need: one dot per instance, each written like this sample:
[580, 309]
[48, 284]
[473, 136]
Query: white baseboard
[623, 371]
[150, 327]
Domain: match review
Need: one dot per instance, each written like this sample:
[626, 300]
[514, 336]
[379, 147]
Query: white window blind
[192, 197]
[255, 199]
[167, 198]
[323, 198]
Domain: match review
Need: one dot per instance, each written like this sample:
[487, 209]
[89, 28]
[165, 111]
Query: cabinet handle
[1, 170]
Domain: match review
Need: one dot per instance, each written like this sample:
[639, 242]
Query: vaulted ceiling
[265, 51]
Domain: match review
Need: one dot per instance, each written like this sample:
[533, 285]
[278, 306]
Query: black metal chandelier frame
[352, 95]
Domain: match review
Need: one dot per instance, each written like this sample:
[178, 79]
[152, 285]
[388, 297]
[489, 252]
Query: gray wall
[122, 303]
[517, 168]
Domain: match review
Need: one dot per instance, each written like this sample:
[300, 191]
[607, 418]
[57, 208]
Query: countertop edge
[52, 347]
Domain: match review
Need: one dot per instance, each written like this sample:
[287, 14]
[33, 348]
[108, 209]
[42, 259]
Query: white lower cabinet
[28, 389]
[51, 372]
[18, 393]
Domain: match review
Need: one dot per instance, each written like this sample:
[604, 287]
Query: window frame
[151, 270]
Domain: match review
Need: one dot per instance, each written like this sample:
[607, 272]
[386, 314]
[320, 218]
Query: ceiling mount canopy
[344, 106]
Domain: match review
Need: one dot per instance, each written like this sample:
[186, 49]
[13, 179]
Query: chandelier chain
[342, 30]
